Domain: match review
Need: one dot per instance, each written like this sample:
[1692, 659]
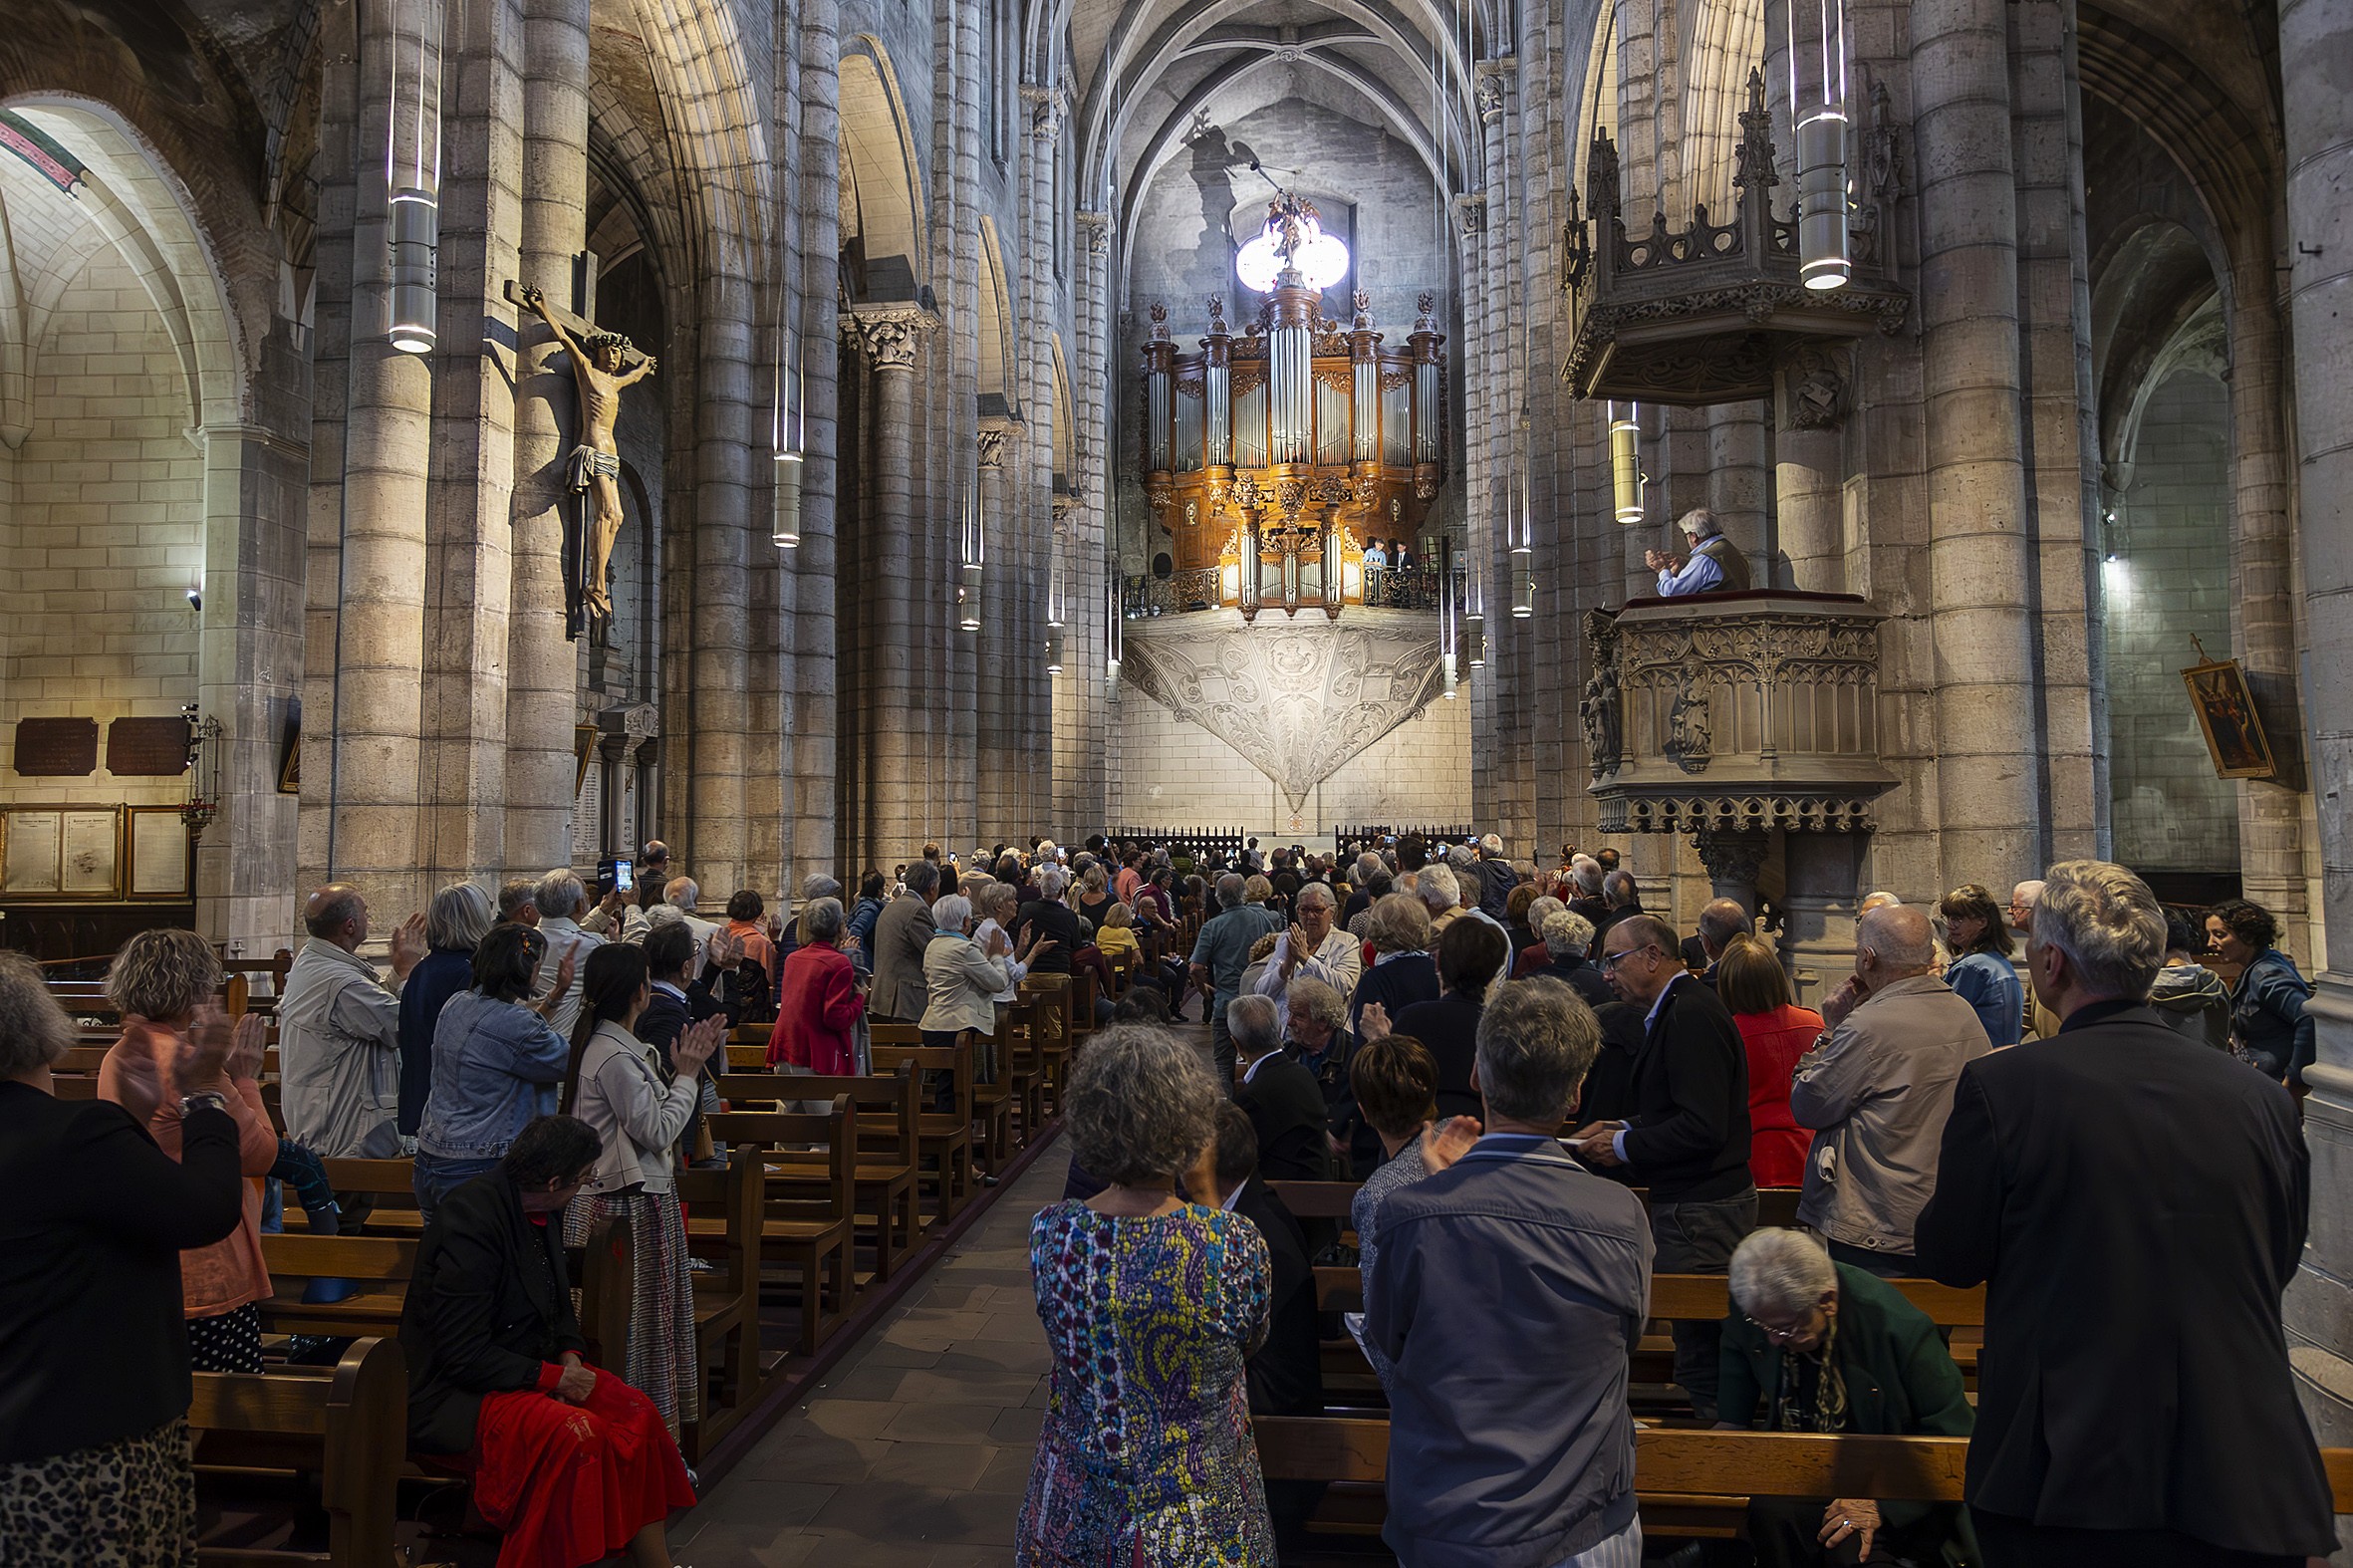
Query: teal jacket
[1901, 1380]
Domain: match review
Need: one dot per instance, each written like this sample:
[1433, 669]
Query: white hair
[685, 892]
[1052, 880]
[1588, 874]
[560, 895]
[1254, 1024]
[1321, 893]
[1902, 938]
[1463, 859]
[1779, 1272]
[1438, 889]
[1565, 931]
[2107, 922]
[951, 914]
[1492, 844]
[1541, 909]
[1879, 901]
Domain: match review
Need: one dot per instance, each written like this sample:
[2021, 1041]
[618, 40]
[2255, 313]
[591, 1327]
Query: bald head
[337, 913]
[1893, 943]
[1879, 901]
[1719, 922]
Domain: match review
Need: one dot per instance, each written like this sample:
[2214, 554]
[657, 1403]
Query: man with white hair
[1442, 896]
[2024, 899]
[1584, 892]
[1714, 565]
[1496, 878]
[1220, 955]
[1875, 1088]
[1285, 1103]
[1314, 947]
[561, 902]
[2135, 1205]
[681, 894]
[1470, 883]
[1621, 901]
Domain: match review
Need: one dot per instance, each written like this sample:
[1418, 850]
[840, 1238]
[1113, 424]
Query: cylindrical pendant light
[415, 223]
[1624, 424]
[412, 175]
[1054, 640]
[1818, 105]
[1522, 533]
[974, 552]
[785, 530]
[792, 387]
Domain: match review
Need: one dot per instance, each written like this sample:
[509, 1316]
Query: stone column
[810, 712]
[542, 664]
[996, 649]
[1736, 480]
[2315, 41]
[896, 731]
[1810, 392]
[1735, 860]
[371, 721]
[1078, 535]
[1818, 913]
[1989, 769]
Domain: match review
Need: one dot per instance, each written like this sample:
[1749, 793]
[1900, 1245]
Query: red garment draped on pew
[569, 1484]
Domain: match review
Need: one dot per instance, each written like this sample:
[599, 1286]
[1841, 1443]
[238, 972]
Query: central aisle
[915, 1452]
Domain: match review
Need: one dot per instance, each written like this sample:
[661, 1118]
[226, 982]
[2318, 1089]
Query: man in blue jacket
[1509, 1291]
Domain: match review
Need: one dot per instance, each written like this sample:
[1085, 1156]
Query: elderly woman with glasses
[1815, 1346]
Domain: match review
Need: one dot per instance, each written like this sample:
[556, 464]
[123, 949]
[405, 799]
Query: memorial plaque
[153, 748]
[56, 748]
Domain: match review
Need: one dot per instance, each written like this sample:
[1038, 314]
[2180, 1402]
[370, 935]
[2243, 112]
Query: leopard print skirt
[125, 1504]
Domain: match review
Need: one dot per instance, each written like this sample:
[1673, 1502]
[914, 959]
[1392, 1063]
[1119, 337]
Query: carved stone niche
[1738, 713]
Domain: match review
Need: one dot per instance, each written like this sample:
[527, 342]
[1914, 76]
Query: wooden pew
[725, 1213]
[945, 1141]
[347, 1426]
[1022, 1067]
[887, 1145]
[810, 1236]
[1053, 995]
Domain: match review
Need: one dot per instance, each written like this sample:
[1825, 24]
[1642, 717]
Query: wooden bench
[887, 1146]
[943, 1141]
[810, 1236]
[1052, 996]
[348, 1424]
[724, 1210]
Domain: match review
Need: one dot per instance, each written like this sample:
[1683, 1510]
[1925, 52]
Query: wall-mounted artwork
[60, 852]
[2227, 714]
[155, 854]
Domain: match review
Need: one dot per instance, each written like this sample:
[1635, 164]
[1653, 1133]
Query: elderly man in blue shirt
[1715, 564]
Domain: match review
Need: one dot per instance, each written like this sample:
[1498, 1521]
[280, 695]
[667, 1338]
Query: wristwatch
[203, 1097]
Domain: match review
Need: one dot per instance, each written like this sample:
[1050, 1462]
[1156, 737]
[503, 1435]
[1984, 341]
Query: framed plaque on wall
[157, 859]
[60, 852]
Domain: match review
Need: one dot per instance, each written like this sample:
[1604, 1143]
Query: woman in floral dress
[1151, 1305]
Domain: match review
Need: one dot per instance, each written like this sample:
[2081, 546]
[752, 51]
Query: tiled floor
[915, 1452]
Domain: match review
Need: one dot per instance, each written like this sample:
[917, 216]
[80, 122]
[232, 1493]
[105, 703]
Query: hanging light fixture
[1818, 105]
[1520, 534]
[973, 544]
[1054, 640]
[1293, 240]
[1447, 633]
[1475, 619]
[792, 443]
[1622, 422]
[413, 178]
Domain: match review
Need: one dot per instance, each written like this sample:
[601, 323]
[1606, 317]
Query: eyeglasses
[1611, 960]
[1782, 1334]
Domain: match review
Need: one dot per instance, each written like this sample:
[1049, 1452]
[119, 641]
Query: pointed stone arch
[885, 242]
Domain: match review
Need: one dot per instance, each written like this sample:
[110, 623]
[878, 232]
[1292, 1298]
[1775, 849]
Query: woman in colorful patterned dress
[1151, 1305]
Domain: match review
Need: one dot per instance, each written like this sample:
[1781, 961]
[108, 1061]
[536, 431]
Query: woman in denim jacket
[2267, 1022]
[497, 1064]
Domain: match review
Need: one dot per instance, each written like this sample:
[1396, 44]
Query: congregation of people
[1545, 1092]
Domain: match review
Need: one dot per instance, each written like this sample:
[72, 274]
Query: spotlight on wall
[196, 599]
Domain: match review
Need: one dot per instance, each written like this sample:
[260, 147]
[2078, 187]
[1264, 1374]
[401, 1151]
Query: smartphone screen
[623, 876]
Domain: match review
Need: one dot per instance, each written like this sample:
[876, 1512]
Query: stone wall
[2171, 578]
[1171, 772]
[103, 531]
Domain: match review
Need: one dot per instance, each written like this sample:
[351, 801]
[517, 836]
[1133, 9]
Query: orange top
[137, 1076]
[757, 947]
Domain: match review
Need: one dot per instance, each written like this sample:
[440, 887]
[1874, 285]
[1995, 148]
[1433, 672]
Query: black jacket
[1608, 1094]
[1286, 1108]
[1342, 1115]
[1581, 977]
[2135, 1205]
[1449, 1028]
[1687, 1128]
[1286, 1376]
[488, 1308]
[92, 1345]
[1395, 986]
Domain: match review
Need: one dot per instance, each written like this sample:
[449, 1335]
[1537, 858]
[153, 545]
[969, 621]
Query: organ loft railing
[1276, 455]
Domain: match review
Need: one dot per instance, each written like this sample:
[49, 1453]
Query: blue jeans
[435, 1178]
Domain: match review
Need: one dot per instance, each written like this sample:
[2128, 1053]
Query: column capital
[1047, 105]
[887, 335]
[1470, 214]
[1098, 227]
[998, 437]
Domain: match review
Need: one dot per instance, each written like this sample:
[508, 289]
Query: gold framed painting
[2227, 716]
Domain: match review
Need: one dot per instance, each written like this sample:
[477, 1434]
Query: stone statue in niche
[601, 367]
[1599, 715]
[1687, 726]
[1817, 390]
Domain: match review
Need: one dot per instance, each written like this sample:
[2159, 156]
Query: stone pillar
[1818, 913]
[897, 731]
[1810, 392]
[2315, 41]
[1735, 860]
[542, 665]
[808, 711]
[1737, 474]
[996, 656]
[1078, 534]
[373, 611]
[1989, 768]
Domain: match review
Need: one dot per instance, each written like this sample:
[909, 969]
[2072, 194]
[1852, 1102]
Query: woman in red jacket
[819, 1003]
[1749, 982]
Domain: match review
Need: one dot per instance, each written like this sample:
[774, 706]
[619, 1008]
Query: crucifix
[601, 368]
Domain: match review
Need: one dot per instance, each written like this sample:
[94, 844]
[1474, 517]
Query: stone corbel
[996, 441]
[890, 336]
[1097, 228]
[1047, 105]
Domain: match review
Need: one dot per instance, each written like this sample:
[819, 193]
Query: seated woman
[1820, 1347]
[572, 1465]
[1151, 1305]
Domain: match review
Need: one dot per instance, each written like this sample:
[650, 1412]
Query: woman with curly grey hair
[1151, 1305]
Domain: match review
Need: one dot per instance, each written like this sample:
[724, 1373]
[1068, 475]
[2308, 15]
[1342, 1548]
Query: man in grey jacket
[1875, 1088]
[1512, 1288]
[902, 933]
[339, 1031]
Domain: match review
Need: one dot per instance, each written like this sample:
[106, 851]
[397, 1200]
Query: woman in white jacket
[618, 1087]
[962, 978]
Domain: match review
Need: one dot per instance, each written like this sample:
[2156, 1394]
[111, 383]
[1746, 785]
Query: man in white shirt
[681, 898]
[339, 1031]
[561, 900]
[1313, 946]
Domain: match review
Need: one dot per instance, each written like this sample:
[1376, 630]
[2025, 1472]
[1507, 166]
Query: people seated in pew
[1313, 1019]
[497, 1061]
[94, 1344]
[456, 923]
[1394, 1084]
[1151, 1306]
[1471, 954]
[158, 981]
[1284, 1103]
[2135, 1205]
[339, 1032]
[1875, 1088]
[1400, 971]
[1684, 1134]
[1775, 1032]
[823, 1003]
[1510, 1290]
[571, 1464]
[1815, 1346]
[639, 1110]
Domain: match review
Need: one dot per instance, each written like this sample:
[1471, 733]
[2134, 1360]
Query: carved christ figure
[595, 469]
